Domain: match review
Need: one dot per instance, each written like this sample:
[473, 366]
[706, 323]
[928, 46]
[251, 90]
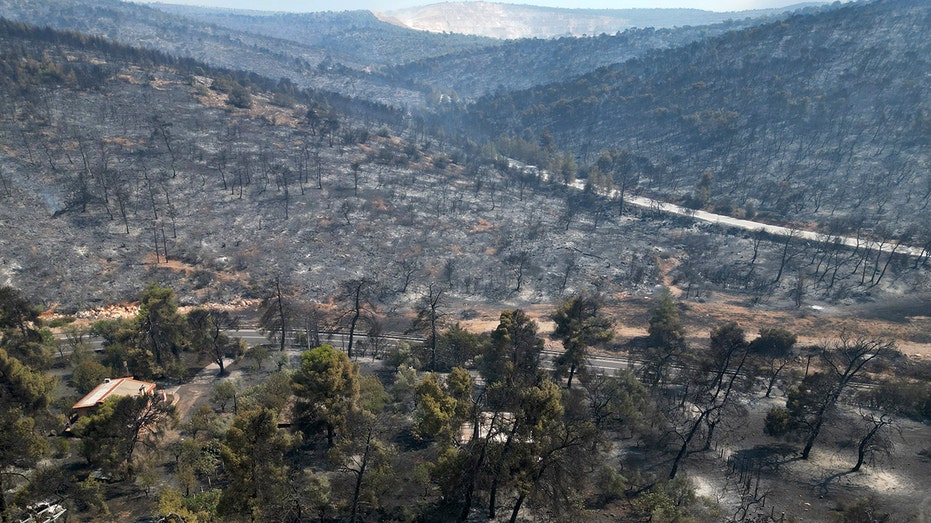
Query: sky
[387, 5]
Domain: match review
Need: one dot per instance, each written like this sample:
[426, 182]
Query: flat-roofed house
[112, 388]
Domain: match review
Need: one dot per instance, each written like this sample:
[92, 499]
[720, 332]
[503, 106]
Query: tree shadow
[825, 484]
[764, 458]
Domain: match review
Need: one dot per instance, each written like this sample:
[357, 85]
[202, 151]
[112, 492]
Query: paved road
[253, 337]
[340, 340]
[647, 203]
[604, 362]
[607, 363]
[777, 230]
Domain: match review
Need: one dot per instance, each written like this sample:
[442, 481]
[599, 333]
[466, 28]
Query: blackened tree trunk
[356, 295]
[476, 467]
[357, 312]
[359, 475]
[4, 516]
[281, 315]
[845, 362]
[492, 494]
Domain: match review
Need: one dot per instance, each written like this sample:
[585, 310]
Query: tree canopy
[514, 355]
[253, 453]
[112, 434]
[580, 323]
[328, 390]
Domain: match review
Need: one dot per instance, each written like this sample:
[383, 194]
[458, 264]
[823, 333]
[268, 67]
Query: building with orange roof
[112, 388]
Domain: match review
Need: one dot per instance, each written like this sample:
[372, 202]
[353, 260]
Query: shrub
[778, 422]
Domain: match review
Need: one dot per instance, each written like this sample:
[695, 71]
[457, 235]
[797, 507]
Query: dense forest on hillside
[820, 118]
[451, 65]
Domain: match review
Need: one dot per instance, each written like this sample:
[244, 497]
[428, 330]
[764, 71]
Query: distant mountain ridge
[398, 65]
[512, 21]
[357, 39]
[525, 63]
[354, 52]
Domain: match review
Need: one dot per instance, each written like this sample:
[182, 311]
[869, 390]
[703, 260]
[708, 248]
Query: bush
[441, 161]
[402, 355]
[672, 500]
[862, 511]
[60, 322]
[283, 100]
[240, 97]
[778, 422]
[611, 485]
[911, 399]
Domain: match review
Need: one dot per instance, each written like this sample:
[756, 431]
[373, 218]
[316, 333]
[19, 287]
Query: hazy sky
[387, 5]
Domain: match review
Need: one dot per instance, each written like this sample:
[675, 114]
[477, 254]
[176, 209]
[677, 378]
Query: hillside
[765, 135]
[306, 66]
[513, 21]
[449, 66]
[820, 118]
[114, 159]
[245, 182]
[353, 52]
[522, 64]
[357, 39]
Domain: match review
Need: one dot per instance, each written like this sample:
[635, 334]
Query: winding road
[777, 230]
[750, 225]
